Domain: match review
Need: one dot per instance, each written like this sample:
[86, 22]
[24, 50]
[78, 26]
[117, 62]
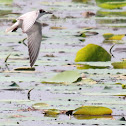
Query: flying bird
[29, 25]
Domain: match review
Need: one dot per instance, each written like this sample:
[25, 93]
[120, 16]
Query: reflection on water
[84, 117]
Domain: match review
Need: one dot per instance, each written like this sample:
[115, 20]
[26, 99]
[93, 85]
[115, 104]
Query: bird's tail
[13, 27]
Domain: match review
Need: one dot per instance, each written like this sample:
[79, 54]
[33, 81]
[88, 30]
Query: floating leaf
[92, 110]
[111, 4]
[64, 77]
[6, 1]
[101, 13]
[86, 66]
[119, 65]
[82, 35]
[25, 69]
[51, 112]
[14, 84]
[110, 36]
[39, 105]
[107, 35]
[122, 119]
[123, 86]
[92, 52]
[58, 28]
[89, 33]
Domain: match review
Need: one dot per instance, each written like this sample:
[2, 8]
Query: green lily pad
[86, 66]
[39, 105]
[119, 65]
[123, 86]
[82, 35]
[110, 36]
[92, 52]
[64, 78]
[6, 1]
[111, 4]
[101, 13]
[92, 110]
[25, 69]
[52, 112]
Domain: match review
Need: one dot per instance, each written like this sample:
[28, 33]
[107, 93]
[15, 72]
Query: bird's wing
[28, 20]
[34, 42]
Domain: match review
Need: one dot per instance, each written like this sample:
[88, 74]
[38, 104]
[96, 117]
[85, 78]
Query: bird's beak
[49, 13]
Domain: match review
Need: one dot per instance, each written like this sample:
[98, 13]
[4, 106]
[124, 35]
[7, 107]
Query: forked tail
[13, 27]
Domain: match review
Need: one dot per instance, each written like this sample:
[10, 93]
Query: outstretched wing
[28, 20]
[34, 41]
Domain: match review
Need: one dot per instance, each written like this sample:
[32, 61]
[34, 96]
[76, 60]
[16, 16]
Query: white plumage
[27, 22]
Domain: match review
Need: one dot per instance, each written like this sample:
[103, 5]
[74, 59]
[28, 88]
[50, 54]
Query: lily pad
[25, 69]
[88, 33]
[111, 4]
[92, 52]
[110, 36]
[123, 86]
[119, 65]
[101, 13]
[39, 105]
[6, 1]
[58, 28]
[82, 35]
[52, 112]
[14, 84]
[92, 110]
[64, 77]
[86, 66]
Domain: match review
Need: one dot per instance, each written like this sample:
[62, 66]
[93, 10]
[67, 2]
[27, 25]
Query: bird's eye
[41, 11]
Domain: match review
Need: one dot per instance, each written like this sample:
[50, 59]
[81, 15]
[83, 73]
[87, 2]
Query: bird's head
[42, 12]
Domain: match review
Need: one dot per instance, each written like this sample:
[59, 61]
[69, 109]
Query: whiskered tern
[29, 25]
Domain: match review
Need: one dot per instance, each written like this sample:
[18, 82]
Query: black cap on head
[41, 11]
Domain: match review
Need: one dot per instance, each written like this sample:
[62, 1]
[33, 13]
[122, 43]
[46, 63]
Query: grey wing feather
[34, 41]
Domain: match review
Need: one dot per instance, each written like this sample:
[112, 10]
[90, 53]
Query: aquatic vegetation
[92, 110]
[92, 52]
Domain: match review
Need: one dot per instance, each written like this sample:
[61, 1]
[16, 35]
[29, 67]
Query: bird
[29, 25]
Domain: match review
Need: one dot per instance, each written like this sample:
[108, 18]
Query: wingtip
[31, 65]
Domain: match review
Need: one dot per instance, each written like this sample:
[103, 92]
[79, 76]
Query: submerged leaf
[92, 110]
[92, 52]
[64, 77]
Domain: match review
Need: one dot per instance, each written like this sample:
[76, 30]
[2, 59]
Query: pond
[103, 83]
